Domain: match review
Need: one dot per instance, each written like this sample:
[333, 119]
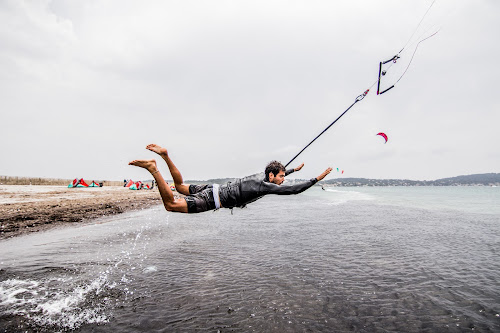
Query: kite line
[381, 73]
[358, 99]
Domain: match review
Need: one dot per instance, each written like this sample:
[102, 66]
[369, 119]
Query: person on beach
[201, 198]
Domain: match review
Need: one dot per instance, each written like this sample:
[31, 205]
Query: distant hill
[485, 179]
[219, 181]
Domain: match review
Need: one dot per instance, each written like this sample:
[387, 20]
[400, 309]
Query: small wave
[150, 269]
[339, 197]
[332, 190]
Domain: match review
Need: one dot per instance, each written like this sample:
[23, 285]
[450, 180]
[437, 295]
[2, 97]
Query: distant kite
[384, 136]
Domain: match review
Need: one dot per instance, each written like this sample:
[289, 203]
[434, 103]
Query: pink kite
[384, 136]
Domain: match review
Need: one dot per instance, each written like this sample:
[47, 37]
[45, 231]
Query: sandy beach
[25, 208]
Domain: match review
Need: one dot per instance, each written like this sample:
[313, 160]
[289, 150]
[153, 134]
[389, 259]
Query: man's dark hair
[275, 167]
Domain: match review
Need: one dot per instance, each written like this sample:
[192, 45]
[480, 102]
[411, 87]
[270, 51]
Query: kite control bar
[358, 99]
[382, 73]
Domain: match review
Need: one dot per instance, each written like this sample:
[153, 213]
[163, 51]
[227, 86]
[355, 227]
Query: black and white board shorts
[200, 198]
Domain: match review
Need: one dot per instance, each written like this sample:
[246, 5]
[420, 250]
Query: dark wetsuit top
[240, 192]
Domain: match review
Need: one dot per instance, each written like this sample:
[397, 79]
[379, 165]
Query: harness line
[358, 99]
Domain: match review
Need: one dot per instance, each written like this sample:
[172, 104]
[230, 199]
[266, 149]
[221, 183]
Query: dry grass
[8, 180]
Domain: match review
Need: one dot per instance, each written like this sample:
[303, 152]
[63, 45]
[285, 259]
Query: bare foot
[157, 149]
[149, 165]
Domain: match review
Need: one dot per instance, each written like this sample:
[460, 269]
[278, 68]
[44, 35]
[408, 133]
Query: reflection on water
[284, 264]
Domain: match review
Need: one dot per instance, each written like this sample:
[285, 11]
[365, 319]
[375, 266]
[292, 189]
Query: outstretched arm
[270, 188]
[287, 172]
[323, 175]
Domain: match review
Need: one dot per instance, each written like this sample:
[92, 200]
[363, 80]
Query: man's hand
[299, 167]
[323, 175]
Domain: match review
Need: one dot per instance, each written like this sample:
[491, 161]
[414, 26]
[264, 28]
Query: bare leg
[171, 204]
[176, 175]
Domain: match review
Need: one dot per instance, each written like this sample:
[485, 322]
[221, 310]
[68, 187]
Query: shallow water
[346, 260]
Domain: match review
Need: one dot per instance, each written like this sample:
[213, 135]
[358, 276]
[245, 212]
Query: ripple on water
[357, 267]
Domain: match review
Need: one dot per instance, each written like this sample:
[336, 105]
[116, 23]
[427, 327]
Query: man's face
[278, 179]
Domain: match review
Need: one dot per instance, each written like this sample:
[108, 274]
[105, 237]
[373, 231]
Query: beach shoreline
[33, 208]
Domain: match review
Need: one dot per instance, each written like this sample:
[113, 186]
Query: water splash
[87, 295]
[45, 303]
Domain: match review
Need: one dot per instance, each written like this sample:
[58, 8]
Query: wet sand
[25, 209]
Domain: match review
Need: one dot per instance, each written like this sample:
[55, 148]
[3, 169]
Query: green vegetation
[486, 179]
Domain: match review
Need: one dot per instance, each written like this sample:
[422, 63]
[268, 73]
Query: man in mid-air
[201, 198]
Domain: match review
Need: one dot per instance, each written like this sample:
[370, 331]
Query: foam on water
[339, 197]
[150, 269]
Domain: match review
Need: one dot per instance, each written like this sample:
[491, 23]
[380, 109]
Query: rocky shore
[25, 209]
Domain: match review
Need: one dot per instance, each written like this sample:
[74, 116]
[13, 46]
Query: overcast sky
[228, 86]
